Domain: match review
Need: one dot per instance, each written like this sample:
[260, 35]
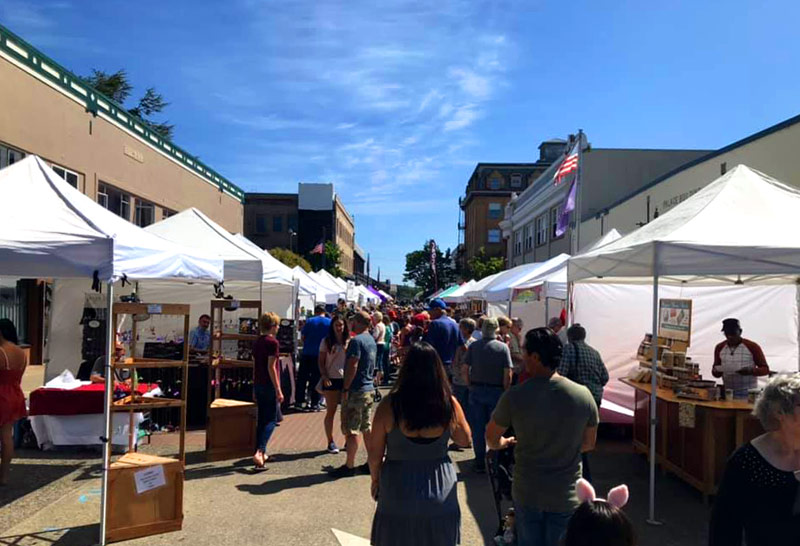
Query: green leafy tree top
[333, 259]
[290, 258]
[117, 87]
[420, 272]
[481, 265]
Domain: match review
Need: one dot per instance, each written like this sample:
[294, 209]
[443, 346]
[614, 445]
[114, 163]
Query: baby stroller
[500, 468]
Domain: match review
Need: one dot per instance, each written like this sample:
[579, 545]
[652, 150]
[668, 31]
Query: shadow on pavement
[72, 536]
[276, 486]
[479, 499]
[27, 477]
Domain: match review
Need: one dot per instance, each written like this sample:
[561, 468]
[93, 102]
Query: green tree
[117, 87]
[481, 265]
[333, 258]
[420, 272]
[406, 293]
[290, 258]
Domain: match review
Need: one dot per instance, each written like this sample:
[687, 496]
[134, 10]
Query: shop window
[166, 213]
[495, 211]
[145, 213]
[114, 200]
[291, 222]
[261, 223]
[66, 174]
[493, 236]
[541, 230]
[9, 156]
[277, 224]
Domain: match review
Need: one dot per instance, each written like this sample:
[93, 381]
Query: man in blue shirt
[314, 331]
[200, 337]
[443, 333]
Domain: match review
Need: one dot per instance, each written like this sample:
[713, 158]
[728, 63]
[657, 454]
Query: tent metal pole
[653, 395]
[109, 386]
[546, 310]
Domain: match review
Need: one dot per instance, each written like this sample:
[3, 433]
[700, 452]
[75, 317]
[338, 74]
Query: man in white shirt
[738, 361]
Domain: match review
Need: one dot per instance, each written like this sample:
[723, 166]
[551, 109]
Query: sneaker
[316, 409]
[332, 448]
[342, 472]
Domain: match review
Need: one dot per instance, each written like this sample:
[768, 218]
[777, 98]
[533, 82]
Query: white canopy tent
[476, 291]
[49, 229]
[249, 272]
[457, 296]
[328, 283]
[321, 293]
[732, 248]
[501, 288]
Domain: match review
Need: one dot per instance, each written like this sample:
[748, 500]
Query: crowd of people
[482, 383]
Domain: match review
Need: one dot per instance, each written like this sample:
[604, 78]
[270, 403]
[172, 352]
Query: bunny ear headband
[617, 497]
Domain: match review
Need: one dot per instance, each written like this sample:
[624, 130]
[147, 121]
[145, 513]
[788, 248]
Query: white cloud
[463, 117]
[471, 83]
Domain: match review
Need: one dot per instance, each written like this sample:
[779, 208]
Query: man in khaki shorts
[357, 395]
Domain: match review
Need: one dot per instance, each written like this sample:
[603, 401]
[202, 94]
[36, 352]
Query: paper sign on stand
[149, 479]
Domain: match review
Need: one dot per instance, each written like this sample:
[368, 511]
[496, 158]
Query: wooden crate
[133, 515]
[231, 430]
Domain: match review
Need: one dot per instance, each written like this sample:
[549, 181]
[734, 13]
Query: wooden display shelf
[132, 514]
[231, 363]
[149, 363]
[142, 308]
[240, 337]
[145, 404]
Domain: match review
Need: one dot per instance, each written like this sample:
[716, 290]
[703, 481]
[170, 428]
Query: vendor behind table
[738, 361]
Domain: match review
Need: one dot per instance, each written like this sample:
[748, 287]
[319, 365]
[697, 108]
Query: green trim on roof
[97, 103]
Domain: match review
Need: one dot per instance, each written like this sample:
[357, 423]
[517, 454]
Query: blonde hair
[267, 321]
[504, 321]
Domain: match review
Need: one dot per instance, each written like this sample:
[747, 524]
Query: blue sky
[395, 102]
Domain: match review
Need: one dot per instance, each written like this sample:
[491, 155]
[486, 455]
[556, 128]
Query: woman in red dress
[12, 401]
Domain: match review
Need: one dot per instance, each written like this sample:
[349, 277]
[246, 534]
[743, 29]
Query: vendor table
[697, 454]
[75, 417]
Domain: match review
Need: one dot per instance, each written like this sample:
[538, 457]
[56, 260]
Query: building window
[277, 224]
[516, 181]
[495, 210]
[291, 222]
[114, 200]
[518, 242]
[541, 230]
[555, 212]
[495, 183]
[494, 236]
[9, 156]
[145, 213]
[67, 175]
[166, 213]
[528, 237]
[261, 223]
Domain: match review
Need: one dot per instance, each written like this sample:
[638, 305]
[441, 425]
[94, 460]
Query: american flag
[319, 249]
[570, 164]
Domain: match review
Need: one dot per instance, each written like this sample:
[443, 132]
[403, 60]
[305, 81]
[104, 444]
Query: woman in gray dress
[413, 478]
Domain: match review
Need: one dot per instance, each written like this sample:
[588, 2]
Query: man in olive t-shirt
[554, 421]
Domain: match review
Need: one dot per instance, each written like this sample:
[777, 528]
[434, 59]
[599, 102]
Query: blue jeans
[482, 401]
[537, 528]
[379, 358]
[267, 404]
[461, 392]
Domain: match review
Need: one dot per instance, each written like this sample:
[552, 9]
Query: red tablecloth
[80, 401]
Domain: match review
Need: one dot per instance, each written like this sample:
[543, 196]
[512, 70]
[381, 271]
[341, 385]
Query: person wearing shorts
[331, 368]
[357, 394]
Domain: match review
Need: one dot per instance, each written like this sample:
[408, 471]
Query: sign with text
[149, 479]
[675, 319]
[526, 295]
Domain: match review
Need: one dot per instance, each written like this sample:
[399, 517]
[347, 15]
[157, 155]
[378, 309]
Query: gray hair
[468, 324]
[489, 327]
[554, 323]
[516, 321]
[780, 397]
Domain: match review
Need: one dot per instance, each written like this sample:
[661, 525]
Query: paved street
[54, 498]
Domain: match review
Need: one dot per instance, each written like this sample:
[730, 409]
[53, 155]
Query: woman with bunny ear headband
[600, 522]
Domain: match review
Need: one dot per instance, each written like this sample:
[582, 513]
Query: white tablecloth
[81, 430]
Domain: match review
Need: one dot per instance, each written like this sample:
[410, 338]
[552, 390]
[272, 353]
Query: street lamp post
[292, 235]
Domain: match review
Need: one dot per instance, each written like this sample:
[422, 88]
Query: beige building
[98, 147]
[345, 236]
[103, 151]
[773, 151]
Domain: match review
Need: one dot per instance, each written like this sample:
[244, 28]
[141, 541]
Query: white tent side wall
[616, 320]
